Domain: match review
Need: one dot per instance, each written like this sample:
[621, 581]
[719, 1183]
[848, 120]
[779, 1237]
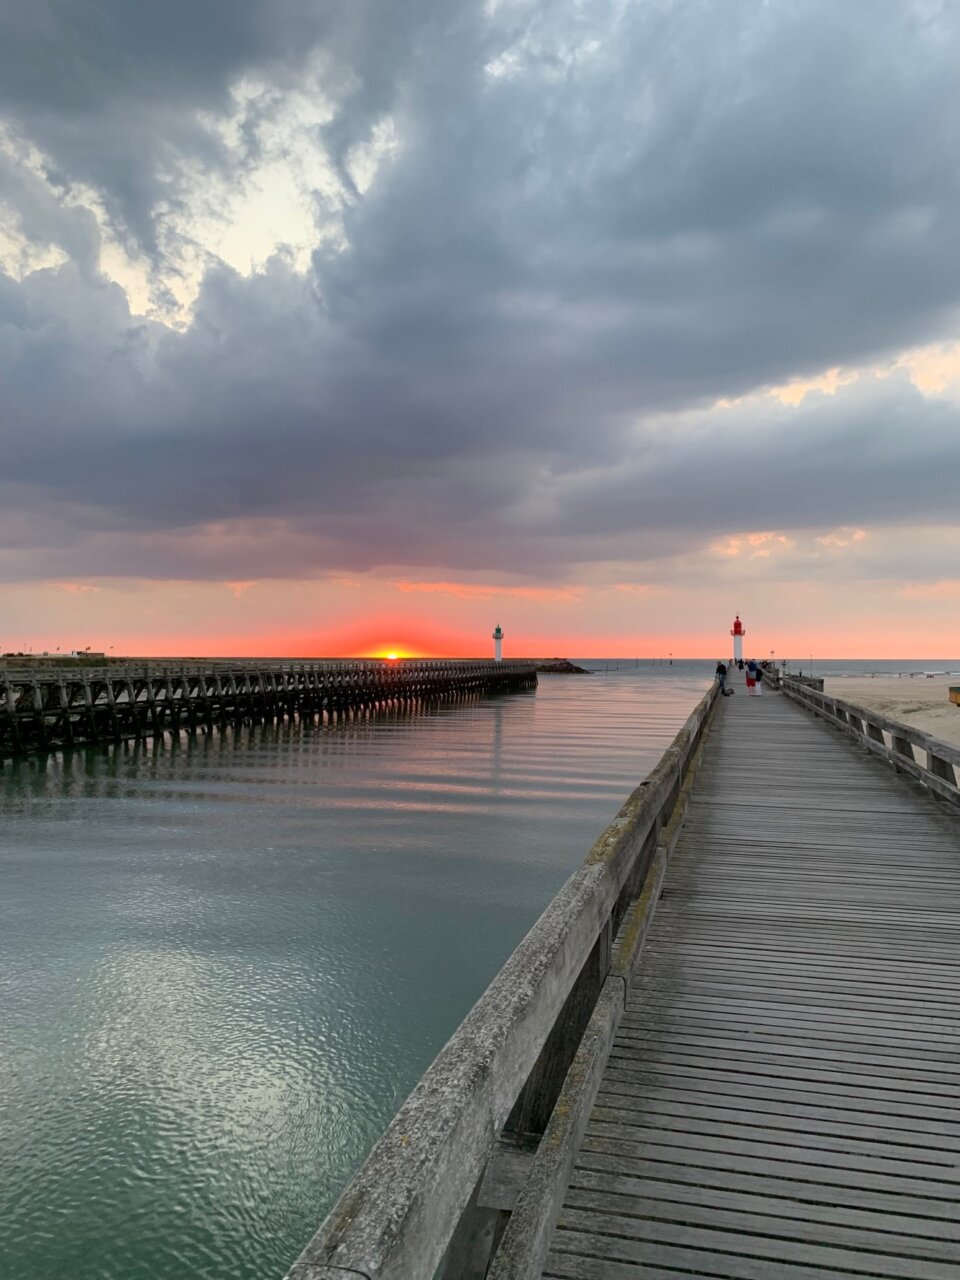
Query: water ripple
[224, 962]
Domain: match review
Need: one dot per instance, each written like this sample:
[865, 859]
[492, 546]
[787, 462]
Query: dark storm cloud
[636, 210]
[110, 90]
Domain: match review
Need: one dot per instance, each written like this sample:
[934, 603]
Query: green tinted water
[224, 962]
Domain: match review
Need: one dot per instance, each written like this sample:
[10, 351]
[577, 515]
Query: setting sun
[390, 653]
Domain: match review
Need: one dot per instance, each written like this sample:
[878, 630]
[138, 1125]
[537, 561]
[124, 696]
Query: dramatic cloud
[303, 289]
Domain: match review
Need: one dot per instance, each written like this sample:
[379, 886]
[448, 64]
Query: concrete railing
[436, 1194]
[933, 763]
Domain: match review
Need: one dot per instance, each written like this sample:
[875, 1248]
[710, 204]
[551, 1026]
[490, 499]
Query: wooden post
[534, 1106]
[39, 719]
[135, 716]
[941, 768]
[112, 708]
[874, 732]
[15, 741]
[475, 1240]
[65, 712]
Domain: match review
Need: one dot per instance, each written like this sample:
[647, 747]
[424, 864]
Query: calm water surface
[225, 962]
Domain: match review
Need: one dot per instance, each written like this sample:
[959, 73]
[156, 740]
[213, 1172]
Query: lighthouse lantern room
[738, 633]
[498, 643]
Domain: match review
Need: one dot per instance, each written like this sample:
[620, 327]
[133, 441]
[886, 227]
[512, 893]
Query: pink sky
[377, 616]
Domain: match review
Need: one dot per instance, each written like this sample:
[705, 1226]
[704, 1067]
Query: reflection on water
[225, 961]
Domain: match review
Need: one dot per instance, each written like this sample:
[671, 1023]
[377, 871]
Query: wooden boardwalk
[783, 1096]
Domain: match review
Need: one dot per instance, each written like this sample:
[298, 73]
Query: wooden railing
[482, 1134]
[774, 677]
[933, 763]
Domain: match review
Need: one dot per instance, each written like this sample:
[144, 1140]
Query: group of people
[752, 670]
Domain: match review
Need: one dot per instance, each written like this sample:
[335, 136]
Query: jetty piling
[47, 710]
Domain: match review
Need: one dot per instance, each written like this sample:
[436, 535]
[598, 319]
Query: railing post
[941, 768]
[535, 1104]
[910, 751]
[475, 1240]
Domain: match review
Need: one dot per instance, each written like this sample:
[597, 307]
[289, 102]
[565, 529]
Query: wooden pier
[47, 710]
[729, 1048]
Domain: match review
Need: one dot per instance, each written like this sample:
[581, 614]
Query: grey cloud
[876, 452]
[110, 90]
[560, 269]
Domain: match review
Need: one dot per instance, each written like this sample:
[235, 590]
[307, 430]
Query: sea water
[224, 961]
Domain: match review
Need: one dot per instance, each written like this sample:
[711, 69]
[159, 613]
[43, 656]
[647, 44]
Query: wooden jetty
[729, 1047]
[46, 710]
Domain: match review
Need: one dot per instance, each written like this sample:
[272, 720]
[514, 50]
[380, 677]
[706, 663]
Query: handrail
[937, 764]
[397, 1218]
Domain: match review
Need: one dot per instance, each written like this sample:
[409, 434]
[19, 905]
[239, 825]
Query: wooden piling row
[46, 712]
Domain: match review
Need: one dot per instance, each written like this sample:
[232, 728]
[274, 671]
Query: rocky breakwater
[559, 667]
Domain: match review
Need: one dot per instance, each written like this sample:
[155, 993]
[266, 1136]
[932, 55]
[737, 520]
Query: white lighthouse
[498, 643]
[738, 633]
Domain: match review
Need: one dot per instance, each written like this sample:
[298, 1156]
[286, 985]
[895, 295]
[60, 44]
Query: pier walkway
[782, 1099]
[730, 1047]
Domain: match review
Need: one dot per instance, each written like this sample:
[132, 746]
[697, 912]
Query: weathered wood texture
[418, 1201]
[65, 708]
[933, 763]
[782, 1098]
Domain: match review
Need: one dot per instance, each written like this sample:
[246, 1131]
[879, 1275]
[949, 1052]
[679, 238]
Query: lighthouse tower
[738, 633]
[498, 643]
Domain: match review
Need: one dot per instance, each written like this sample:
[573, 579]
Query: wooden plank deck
[783, 1097]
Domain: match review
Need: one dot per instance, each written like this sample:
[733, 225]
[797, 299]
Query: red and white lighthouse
[738, 633]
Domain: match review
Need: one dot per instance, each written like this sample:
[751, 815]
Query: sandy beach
[916, 700]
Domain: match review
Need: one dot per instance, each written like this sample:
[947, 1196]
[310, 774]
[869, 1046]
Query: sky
[342, 327]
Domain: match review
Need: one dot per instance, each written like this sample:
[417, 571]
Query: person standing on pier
[722, 677]
[753, 676]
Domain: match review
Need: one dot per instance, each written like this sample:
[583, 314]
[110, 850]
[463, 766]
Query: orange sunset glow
[793, 619]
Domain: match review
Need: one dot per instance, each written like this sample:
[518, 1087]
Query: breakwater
[48, 709]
